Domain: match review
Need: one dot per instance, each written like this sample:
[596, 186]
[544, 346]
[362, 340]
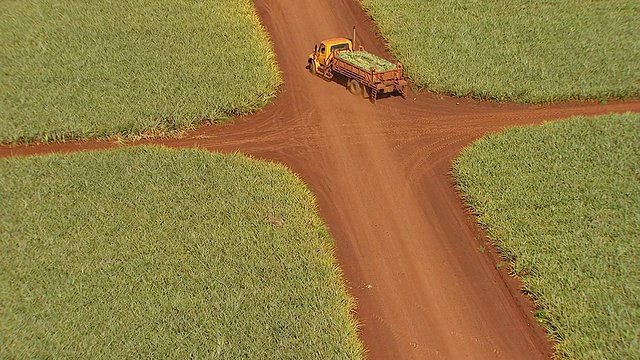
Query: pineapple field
[74, 69]
[561, 201]
[199, 255]
[524, 51]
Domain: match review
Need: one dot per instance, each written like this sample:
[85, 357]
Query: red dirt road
[409, 251]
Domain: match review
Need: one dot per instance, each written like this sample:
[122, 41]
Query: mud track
[409, 251]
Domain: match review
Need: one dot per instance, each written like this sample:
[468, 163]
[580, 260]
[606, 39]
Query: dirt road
[409, 251]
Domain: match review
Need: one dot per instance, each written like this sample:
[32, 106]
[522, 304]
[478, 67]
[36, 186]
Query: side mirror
[315, 48]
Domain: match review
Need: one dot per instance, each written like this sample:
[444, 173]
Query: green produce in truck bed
[366, 61]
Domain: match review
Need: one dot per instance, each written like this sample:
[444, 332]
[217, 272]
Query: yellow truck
[366, 73]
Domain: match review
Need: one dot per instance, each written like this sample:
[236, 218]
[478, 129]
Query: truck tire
[312, 67]
[354, 87]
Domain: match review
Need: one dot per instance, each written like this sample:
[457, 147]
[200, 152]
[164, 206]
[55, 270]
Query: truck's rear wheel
[354, 87]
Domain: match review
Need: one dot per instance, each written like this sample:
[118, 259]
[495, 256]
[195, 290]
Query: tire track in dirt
[380, 172]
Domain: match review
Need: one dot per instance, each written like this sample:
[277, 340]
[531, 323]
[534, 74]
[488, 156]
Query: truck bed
[368, 70]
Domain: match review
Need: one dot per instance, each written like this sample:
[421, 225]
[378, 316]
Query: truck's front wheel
[354, 87]
[312, 67]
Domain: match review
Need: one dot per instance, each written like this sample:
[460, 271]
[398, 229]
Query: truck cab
[324, 52]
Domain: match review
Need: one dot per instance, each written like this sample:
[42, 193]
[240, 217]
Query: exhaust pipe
[354, 38]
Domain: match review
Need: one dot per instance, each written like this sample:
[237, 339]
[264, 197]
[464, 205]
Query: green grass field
[157, 253]
[562, 203]
[530, 51]
[75, 69]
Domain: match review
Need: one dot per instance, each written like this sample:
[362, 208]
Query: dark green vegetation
[534, 51]
[78, 69]
[562, 203]
[157, 253]
[366, 60]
